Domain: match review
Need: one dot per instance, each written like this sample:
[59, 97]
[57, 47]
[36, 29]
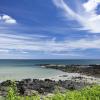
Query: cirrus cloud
[26, 44]
[88, 19]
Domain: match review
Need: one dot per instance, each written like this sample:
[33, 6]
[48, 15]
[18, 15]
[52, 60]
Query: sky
[49, 29]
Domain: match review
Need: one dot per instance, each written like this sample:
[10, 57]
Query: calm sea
[27, 63]
[21, 69]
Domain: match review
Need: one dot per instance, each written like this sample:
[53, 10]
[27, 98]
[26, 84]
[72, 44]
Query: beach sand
[19, 73]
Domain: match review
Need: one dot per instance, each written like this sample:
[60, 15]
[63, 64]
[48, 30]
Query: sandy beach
[14, 73]
[76, 77]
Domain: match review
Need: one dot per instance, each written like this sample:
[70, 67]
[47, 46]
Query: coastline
[71, 80]
[76, 72]
[89, 70]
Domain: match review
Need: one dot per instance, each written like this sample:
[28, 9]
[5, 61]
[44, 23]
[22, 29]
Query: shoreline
[71, 80]
[89, 70]
[76, 72]
[27, 87]
[64, 76]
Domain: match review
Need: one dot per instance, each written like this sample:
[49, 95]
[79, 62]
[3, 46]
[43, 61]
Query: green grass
[88, 93]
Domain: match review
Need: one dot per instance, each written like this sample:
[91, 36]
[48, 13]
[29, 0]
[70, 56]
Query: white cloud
[90, 5]
[24, 45]
[7, 19]
[4, 51]
[88, 18]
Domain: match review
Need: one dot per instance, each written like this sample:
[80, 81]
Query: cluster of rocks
[93, 69]
[34, 86]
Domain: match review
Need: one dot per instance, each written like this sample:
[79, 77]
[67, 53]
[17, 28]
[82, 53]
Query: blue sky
[49, 29]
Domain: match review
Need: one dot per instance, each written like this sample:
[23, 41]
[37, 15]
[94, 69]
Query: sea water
[22, 69]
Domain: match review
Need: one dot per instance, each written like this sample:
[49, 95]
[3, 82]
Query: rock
[93, 69]
[6, 83]
[32, 87]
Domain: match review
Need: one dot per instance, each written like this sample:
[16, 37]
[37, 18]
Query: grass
[88, 93]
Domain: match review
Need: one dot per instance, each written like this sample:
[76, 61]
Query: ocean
[22, 69]
[31, 62]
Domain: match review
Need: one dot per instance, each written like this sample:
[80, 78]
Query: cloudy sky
[49, 29]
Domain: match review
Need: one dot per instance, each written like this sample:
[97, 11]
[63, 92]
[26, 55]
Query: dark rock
[26, 86]
[93, 69]
[6, 83]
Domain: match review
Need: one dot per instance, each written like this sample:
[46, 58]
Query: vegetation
[13, 95]
[88, 93]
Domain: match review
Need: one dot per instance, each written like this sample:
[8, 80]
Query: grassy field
[88, 93]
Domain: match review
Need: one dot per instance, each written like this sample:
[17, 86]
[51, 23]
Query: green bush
[13, 94]
[88, 93]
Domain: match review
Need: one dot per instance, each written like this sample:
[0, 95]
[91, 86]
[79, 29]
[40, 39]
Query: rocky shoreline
[28, 87]
[91, 70]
